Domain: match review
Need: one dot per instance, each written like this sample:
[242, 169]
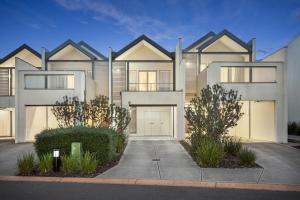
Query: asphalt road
[74, 191]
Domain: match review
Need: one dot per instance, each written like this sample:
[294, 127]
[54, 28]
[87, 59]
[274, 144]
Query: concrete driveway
[281, 162]
[168, 160]
[155, 160]
[9, 153]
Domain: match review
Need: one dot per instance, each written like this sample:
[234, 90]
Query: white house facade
[154, 84]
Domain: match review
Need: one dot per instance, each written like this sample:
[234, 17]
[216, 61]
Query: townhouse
[153, 83]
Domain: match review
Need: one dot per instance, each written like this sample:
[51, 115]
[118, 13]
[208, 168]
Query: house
[289, 55]
[154, 84]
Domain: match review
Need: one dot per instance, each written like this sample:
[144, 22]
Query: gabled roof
[94, 51]
[70, 42]
[20, 48]
[228, 34]
[139, 39]
[200, 40]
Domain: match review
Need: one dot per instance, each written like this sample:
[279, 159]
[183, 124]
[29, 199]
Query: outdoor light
[56, 160]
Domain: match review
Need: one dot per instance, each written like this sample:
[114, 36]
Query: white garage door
[258, 121]
[153, 121]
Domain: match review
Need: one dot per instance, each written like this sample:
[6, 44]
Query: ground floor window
[39, 118]
[152, 120]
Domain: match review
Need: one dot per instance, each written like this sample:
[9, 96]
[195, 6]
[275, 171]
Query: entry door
[147, 81]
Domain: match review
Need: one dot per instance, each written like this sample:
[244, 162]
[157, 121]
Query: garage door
[152, 121]
[258, 121]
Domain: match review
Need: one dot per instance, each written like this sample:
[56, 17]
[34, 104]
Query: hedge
[100, 141]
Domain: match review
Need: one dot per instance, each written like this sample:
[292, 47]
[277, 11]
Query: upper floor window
[49, 81]
[253, 74]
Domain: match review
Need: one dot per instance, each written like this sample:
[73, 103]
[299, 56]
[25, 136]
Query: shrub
[209, 152]
[88, 163]
[99, 141]
[232, 145]
[247, 157]
[292, 128]
[45, 165]
[25, 164]
[120, 142]
[214, 111]
[69, 164]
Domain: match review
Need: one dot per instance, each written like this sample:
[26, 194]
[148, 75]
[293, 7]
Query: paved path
[49, 191]
[9, 153]
[281, 162]
[155, 160]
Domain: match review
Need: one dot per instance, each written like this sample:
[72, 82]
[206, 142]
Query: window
[251, 74]
[164, 80]
[49, 81]
[235, 74]
[263, 74]
[34, 81]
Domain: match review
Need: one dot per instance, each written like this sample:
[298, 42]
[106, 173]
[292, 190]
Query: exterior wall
[101, 78]
[25, 97]
[278, 56]
[293, 71]
[159, 99]
[257, 91]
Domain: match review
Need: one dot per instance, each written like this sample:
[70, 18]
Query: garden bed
[99, 170]
[229, 161]
[94, 150]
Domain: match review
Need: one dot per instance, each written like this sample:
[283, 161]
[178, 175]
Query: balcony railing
[7, 81]
[150, 87]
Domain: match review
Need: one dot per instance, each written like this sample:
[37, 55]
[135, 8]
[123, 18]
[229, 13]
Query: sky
[115, 23]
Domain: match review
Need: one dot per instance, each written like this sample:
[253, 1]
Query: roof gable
[18, 50]
[93, 51]
[150, 44]
[67, 44]
[200, 41]
[225, 34]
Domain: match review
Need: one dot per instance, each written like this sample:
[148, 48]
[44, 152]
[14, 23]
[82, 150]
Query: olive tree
[214, 111]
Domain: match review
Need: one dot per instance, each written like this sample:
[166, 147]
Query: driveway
[155, 160]
[9, 153]
[281, 162]
[168, 160]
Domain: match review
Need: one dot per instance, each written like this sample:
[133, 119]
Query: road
[73, 191]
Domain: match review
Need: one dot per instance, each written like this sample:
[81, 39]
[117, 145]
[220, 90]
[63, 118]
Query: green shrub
[247, 157]
[209, 152]
[69, 164]
[292, 128]
[88, 163]
[232, 145]
[99, 141]
[45, 165]
[26, 164]
[120, 142]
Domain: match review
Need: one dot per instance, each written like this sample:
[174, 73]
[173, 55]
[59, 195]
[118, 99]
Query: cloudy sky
[115, 23]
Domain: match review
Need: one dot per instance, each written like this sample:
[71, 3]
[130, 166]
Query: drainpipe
[110, 75]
